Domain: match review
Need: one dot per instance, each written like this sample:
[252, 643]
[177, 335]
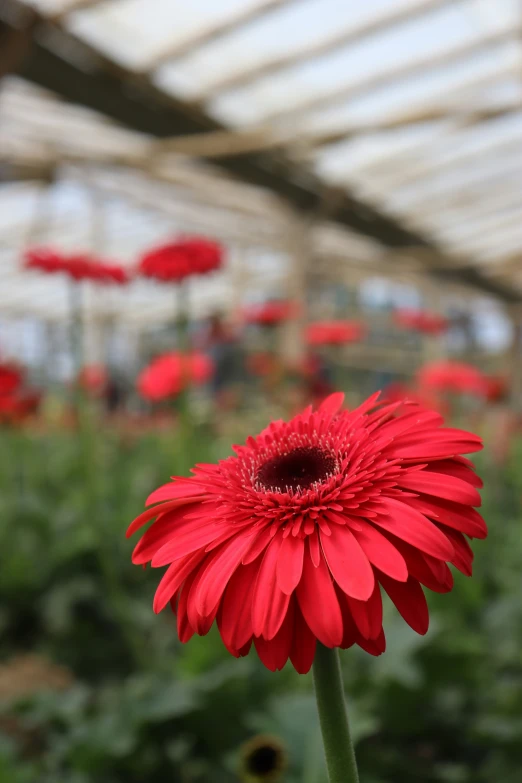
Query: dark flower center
[298, 469]
[263, 762]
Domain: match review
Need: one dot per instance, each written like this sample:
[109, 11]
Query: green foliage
[138, 706]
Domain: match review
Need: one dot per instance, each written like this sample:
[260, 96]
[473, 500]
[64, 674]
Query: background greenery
[95, 688]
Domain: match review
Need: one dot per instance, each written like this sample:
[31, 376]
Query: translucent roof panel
[413, 106]
[52, 7]
[288, 32]
[445, 87]
[133, 31]
[353, 69]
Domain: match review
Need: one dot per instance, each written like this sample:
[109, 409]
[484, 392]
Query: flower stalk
[333, 717]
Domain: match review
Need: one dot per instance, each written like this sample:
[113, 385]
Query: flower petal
[348, 564]
[442, 486]
[302, 652]
[274, 653]
[463, 518]
[269, 603]
[413, 527]
[410, 600]
[455, 467]
[163, 508]
[373, 646]
[192, 535]
[290, 563]
[173, 578]
[319, 604]
[381, 552]
[463, 558]
[222, 566]
[174, 490]
[235, 620]
[367, 615]
[332, 404]
[185, 630]
[258, 544]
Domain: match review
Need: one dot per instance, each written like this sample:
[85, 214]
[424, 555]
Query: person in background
[115, 393]
[222, 345]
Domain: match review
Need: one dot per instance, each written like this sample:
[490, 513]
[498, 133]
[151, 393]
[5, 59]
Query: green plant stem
[93, 475]
[338, 747]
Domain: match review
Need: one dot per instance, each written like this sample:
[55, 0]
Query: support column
[239, 274]
[515, 356]
[300, 250]
[16, 41]
[434, 345]
[94, 326]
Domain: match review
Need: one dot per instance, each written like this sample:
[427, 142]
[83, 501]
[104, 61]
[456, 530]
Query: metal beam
[15, 40]
[391, 77]
[461, 117]
[483, 209]
[338, 40]
[467, 200]
[508, 265]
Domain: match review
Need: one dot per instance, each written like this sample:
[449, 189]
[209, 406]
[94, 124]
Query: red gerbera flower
[271, 313]
[44, 259]
[292, 539]
[450, 376]
[167, 375]
[335, 332]
[85, 267]
[79, 266]
[421, 321]
[18, 406]
[497, 388]
[175, 261]
[93, 379]
[263, 363]
[11, 378]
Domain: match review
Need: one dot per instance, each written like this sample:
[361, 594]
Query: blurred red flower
[497, 387]
[18, 406]
[93, 379]
[271, 313]
[450, 376]
[167, 375]
[45, 259]
[78, 267]
[263, 363]
[175, 261]
[335, 332]
[11, 377]
[291, 540]
[421, 321]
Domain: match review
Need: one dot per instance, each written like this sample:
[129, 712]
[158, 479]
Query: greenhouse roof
[397, 119]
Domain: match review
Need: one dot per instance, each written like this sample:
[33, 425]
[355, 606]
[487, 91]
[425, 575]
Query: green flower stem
[93, 476]
[76, 316]
[338, 747]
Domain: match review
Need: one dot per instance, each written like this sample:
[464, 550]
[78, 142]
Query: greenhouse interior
[293, 225]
